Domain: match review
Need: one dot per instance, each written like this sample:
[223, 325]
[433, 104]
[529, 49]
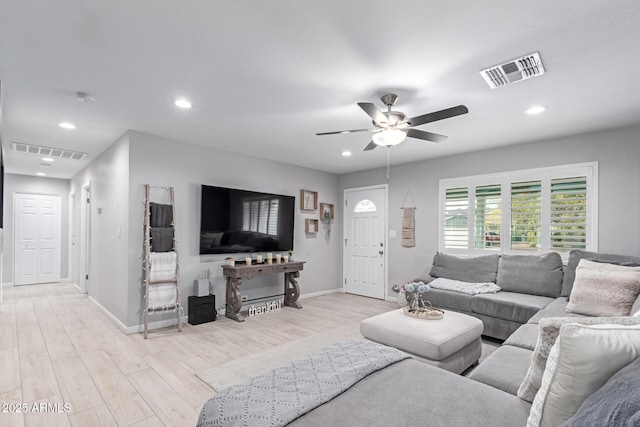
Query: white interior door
[37, 238]
[364, 241]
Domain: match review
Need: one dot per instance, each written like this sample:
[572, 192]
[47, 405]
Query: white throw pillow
[548, 331]
[602, 289]
[582, 360]
[635, 309]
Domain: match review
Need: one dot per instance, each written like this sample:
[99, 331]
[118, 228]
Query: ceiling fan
[392, 127]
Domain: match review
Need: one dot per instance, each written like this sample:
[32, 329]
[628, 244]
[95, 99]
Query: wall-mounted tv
[235, 221]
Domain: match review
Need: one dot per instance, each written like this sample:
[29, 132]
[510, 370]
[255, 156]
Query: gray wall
[616, 151]
[109, 179]
[35, 185]
[164, 162]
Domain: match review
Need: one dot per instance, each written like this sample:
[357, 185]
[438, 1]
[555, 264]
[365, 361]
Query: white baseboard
[7, 284]
[391, 299]
[319, 293]
[136, 328]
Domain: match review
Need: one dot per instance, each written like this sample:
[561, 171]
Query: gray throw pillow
[574, 258]
[531, 274]
[473, 269]
[617, 403]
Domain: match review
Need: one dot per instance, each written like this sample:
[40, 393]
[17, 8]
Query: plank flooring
[58, 348]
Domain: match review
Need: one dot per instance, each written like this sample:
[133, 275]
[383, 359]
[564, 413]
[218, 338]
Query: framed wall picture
[308, 200]
[326, 211]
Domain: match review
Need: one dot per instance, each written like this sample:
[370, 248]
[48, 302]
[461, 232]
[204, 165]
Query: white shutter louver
[488, 216]
[456, 218]
[568, 213]
[525, 215]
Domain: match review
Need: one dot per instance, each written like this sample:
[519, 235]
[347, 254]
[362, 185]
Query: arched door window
[365, 206]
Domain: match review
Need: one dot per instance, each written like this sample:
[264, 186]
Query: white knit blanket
[162, 266]
[464, 287]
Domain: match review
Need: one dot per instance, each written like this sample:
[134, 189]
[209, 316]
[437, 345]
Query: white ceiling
[265, 76]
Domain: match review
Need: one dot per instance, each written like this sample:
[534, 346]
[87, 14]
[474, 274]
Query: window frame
[505, 179]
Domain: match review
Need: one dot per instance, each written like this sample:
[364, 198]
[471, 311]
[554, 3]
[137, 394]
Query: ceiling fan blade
[427, 136]
[373, 112]
[371, 146]
[342, 131]
[438, 115]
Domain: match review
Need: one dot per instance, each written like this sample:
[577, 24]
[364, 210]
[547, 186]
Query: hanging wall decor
[408, 222]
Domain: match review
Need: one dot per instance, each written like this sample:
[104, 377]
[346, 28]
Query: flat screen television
[234, 221]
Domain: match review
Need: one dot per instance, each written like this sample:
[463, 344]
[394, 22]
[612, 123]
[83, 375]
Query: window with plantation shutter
[488, 217]
[456, 218]
[569, 213]
[526, 211]
[525, 215]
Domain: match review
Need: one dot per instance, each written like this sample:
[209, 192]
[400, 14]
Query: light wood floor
[57, 347]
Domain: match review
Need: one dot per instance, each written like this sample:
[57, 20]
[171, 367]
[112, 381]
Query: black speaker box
[202, 309]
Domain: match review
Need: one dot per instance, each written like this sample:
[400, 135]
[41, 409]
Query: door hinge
[345, 280]
[345, 203]
[88, 200]
[86, 277]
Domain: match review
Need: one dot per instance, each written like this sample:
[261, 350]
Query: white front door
[37, 238]
[364, 241]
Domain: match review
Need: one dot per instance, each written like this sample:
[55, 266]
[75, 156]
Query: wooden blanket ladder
[174, 305]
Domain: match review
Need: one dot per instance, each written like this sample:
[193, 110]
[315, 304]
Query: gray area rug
[240, 370]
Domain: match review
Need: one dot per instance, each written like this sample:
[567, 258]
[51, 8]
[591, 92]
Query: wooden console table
[236, 273]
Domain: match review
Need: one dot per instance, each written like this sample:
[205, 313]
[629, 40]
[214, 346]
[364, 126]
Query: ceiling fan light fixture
[183, 103]
[537, 109]
[389, 137]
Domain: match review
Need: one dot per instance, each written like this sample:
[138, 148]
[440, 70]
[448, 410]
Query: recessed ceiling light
[537, 109]
[47, 159]
[182, 103]
[346, 153]
[41, 174]
[67, 125]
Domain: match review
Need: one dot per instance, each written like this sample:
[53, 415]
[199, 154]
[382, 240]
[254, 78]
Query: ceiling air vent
[47, 151]
[513, 71]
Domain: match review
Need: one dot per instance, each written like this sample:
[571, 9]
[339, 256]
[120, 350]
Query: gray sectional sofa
[528, 284]
[535, 289]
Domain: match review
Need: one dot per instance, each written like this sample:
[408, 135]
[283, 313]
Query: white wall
[617, 152]
[35, 185]
[109, 179]
[164, 162]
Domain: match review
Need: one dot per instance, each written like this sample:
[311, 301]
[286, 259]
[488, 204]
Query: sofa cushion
[504, 368]
[509, 305]
[574, 258]
[529, 274]
[573, 373]
[614, 404]
[473, 269]
[449, 299]
[558, 308]
[548, 331]
[602, 289]
[525, 337]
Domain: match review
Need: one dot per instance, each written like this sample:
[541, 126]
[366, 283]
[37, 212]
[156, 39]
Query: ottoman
[452, 343]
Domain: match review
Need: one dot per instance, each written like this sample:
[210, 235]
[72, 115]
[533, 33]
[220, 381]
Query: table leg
[291, 289]
[234, 301]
